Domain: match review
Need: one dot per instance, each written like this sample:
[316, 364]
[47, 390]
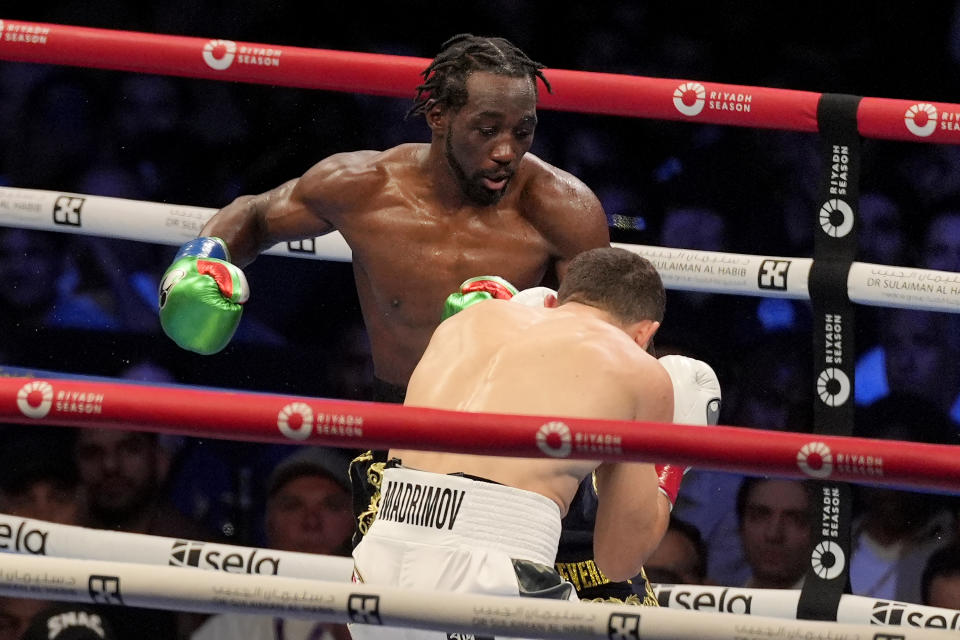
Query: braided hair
[445, 79]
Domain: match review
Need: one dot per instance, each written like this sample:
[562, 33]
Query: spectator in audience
[38, 478]
[680, 558]
[881, 235]
[894, 531]
[16, 615]
[123, 474]
[917, 353]
[309, 510]
[940, 582]
[123, 478]
[777, 519]
[72, 621]
[941, 243]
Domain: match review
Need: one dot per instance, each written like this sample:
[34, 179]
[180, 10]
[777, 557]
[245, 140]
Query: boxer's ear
[436, 115]
[642, 332]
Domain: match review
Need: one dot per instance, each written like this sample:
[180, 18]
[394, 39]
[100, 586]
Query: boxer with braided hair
[420, 219]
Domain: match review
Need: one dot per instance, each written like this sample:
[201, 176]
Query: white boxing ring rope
[149, 586]
[30, 538]
[683, 269]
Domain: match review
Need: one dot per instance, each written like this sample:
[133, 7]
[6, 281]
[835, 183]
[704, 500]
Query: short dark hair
[624, 284]
[749, 482]
[445, 79]
[945, 562]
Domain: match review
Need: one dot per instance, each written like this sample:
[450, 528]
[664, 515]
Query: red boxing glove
[669, 477]
[696, 400]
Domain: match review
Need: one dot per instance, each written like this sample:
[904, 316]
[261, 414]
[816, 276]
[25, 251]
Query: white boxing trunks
[456, 534]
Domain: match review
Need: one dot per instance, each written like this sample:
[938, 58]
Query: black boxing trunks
[366, 469]
[575, 556]
[384, 391]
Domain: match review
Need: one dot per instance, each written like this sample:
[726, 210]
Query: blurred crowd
[86, 305]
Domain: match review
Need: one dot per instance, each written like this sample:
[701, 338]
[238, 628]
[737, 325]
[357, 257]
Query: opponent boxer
[696, 400]
[419, 218]
[487, 524]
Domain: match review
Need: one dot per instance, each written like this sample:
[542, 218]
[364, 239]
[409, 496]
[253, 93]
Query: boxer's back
[499, 357]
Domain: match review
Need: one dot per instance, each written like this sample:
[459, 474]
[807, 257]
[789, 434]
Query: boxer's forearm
[632, 517]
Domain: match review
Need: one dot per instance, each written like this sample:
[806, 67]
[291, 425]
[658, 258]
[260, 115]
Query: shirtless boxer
[420, 219]
[585, 357]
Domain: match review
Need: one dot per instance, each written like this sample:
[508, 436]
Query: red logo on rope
[35, 399]
[815, 459]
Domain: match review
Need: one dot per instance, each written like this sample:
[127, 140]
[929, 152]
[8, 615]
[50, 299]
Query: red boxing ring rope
[397, 76]
[262, 417]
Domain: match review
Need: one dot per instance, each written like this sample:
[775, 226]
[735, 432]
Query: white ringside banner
[782, 603]
[41, 538]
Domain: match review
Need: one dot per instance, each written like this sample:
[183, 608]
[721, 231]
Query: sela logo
[104, 589]
[902, 614]
[887, 613]
[833, 387]
[815, 460]
[773, 274]
[19, 537]
[363, 608]
[553, 438]
[689, 98]
[188, 553]
[828, 560]
[34, 399]
[836, 218]
[623, 626]
[219, 54]
[706, 600]
[921, 119]
[66, 210]
[309, 245]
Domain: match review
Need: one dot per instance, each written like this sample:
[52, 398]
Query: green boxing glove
[201, 297]
[477, 290]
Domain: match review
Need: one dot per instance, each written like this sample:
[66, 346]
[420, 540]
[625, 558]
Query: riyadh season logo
[828, 560]
[219, 54]
[295, 421]
[815, 460]
[553, 438]
[836, 218]
[833, 387]
[921, 119]
[34, 399]
[689, 98]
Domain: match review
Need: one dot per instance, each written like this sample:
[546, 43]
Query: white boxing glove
[696, 390]
[535, 296]
[696, 401]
